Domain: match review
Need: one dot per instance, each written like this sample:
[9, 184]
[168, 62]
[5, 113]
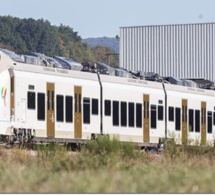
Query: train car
[44, 102]
[190, 115]
[129, 104]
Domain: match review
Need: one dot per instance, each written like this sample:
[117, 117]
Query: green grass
[107, 166]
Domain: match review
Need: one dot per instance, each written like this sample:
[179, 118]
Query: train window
[185, 114]
[171, 113]
[209, 122]
[123, 114]
[107, 107]
[144, 110]
[160, 113]
[48, 100]
[183, 118]
[147, 110]
[160, 101]
[131, 114]
[76, 105]
[191, 121]
[138, 115]
[31, 87]
[79, 101]
[41, 106]
[115, 113]
[52, 100]
[177, 119]
[214, 118]
[69, 109]
[86, 110]
[60, 106]
[153, 116]
[204, 115]
[95, 108]
[31, 100]
[197, 120]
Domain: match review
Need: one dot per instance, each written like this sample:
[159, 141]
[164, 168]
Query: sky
[99, 18]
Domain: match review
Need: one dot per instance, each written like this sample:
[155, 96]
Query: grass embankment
[107, 166]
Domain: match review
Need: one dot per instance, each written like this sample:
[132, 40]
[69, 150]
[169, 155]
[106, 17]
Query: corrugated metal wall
[183, 51]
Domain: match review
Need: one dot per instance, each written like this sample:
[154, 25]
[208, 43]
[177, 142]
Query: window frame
[139, 115]
[153, 116]
[178, 119]
[213, 118]
[70, 111]
[124, 112]
[171, 114]
[95, 106]
[31, 106]
[160, 115]
[44, 107]
[209, 123]
[131, 114]
[115, 113]
[199, 120]
[86, 110]
[107, 107]
[59, 107]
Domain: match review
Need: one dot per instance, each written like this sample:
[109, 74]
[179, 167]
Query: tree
[29, 35]
[99, 53]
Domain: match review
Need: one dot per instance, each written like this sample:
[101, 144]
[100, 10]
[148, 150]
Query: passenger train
[56, 99]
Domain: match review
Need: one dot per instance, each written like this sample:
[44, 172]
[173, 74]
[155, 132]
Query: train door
[184, 121]
[203, 123]
[50, 110]
[78, 113]
[146, 118]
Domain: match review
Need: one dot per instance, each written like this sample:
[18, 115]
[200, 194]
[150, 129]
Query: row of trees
[24, 35]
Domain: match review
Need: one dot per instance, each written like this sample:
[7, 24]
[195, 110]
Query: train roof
[57, 65]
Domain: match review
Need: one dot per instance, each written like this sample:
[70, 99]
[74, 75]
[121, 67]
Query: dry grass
[107, 166]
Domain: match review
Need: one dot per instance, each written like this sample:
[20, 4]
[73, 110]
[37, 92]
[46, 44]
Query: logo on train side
[3, 94]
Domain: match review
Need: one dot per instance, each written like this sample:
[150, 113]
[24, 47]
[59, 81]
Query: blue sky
[98, 18]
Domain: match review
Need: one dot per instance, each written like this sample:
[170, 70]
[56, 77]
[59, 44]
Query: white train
[44, 103]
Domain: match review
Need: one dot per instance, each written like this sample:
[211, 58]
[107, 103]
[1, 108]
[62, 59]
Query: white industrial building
[183, 50]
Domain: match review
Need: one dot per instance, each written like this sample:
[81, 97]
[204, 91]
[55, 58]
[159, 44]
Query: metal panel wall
[183, 51]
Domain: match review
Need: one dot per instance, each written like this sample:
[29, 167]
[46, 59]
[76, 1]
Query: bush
[104, 145]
